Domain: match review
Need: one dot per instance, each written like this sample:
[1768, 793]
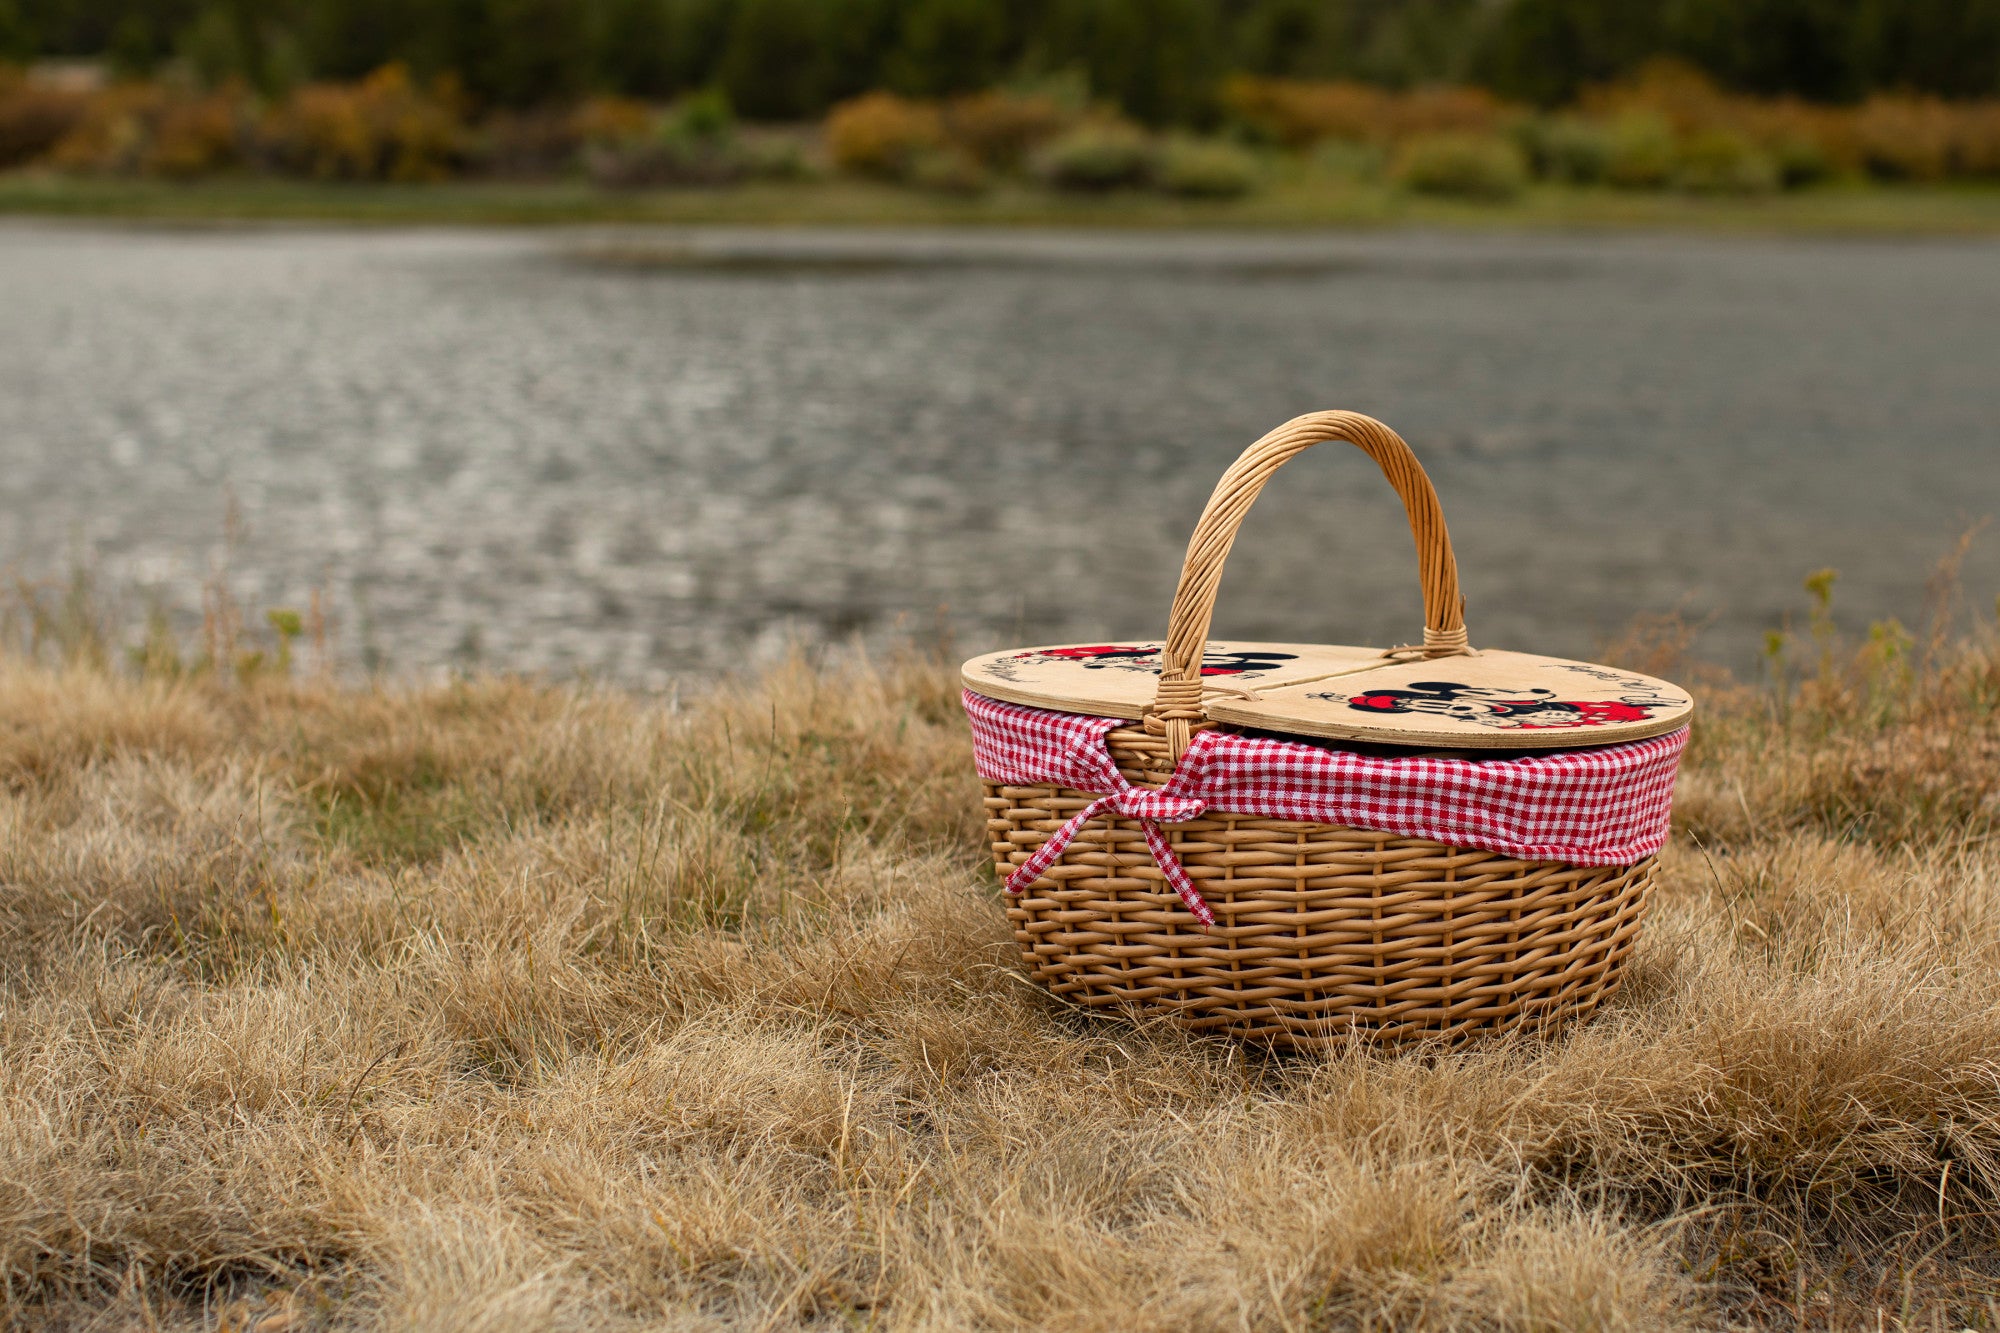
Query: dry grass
[498, 1006]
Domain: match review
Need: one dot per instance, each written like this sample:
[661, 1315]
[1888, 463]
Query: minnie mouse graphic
[1146, 657]
[1524, 710]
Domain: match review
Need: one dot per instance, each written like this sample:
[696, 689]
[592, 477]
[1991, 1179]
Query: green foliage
[17, 39]
[288, 626]
[705, 117]
[694, 143]
[1799, 160]
[1643, 153]
[1466, 166]
[216, 47]
[1206, 169]
[1819, 586]
[1107, 155]
[1720, 161]
[1343, 160]
[1569, 149]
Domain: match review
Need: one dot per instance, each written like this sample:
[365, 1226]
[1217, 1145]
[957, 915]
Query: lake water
[641, 454]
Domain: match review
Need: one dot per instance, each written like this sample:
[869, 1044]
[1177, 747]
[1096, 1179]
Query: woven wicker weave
[1322, 933]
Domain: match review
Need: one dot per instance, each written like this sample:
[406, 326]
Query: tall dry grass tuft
[496, 1005]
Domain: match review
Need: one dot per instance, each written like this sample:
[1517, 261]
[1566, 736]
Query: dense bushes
[695, 142]
[1000, 129]
[881, 134]
[1668, 128]
[383, 128]
[1206, 169]
[1295, 113]
[1467, 165]
[34, 119]
[1106, 155]
[963, 144]
[386, 127]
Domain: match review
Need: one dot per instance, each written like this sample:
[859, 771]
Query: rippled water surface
[642, 454]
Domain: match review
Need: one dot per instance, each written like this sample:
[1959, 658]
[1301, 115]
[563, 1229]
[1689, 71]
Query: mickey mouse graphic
[1525, 710]
[1144, 657]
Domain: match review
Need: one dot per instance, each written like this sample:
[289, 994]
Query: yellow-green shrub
[1469, 166]
[1105, 154]
[881, 134]
[1205, 169]
[1643, 151]
[1572, 149]
[1720, 161]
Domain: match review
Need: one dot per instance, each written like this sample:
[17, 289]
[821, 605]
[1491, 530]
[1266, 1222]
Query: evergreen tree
[1159, 59]
[1950, 47]
[17, 39]
[950, 46]
[1546, 51]
[631, 48]
[346, 39]
[535, 51]
[774, 66]
[1806, 47]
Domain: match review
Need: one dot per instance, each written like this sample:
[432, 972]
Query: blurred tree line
[1162, 60]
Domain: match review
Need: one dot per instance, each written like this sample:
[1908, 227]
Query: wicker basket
[1322, 933]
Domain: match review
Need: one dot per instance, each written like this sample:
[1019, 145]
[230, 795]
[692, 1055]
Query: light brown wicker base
[1322, 933]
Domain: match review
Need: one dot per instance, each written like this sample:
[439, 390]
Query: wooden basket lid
[1442, 693]
[1481, 700]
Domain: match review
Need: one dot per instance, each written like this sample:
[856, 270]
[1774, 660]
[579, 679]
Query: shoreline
[1870, 211]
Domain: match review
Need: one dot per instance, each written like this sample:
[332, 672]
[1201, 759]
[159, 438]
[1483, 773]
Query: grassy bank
[495, 1005]
[1918, 210]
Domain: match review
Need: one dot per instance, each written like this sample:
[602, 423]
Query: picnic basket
[1304, 932]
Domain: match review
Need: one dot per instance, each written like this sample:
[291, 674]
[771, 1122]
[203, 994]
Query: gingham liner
[1596, 807]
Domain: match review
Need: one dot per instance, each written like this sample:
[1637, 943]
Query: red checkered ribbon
[1608, 805]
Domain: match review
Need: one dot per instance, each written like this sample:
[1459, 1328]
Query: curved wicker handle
[1177, 704]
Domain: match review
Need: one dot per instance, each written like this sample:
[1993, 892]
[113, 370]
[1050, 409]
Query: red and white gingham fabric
[1604, 806]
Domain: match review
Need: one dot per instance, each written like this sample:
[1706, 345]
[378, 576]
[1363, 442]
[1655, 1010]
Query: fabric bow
[1151, 809]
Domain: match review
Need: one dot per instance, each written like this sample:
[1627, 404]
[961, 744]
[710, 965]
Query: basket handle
[1177, 703]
